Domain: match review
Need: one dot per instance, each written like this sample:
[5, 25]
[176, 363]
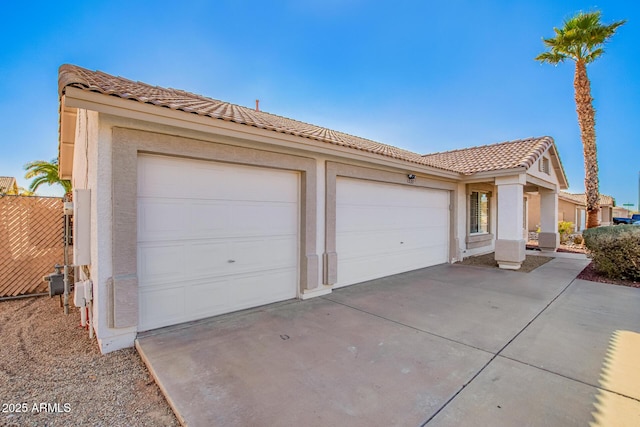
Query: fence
[31, 242]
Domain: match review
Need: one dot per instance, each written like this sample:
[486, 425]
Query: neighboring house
[8, 185]
[200, 207]
[620, 212]
[572, 208]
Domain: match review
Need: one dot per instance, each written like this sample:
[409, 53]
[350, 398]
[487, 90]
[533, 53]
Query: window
[479, 213]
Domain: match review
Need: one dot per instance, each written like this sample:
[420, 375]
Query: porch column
[548, 239]
[510, 245]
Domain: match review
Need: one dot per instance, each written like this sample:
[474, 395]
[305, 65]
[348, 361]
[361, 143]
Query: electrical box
[56, 282]
[88, 290]
[81, 227]
[78, 295]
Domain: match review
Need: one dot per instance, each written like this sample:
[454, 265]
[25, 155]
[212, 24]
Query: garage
[384, 229]
[213, 238]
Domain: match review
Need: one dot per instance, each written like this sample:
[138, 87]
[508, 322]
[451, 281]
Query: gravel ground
[47, 358]
[530, 263]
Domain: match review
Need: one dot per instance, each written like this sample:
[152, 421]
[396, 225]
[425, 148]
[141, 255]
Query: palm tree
[582, 40]
[46, 173]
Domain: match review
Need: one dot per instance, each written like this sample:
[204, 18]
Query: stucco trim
[510, 253]
[334, 170]
[479, 240]
[128, 143]
[548, 241]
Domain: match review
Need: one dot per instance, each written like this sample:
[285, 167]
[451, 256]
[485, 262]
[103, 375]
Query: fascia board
[542, 183]
[563, 183]
[490, 175]
[116, 106]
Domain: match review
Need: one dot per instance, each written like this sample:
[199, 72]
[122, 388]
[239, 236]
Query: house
[620, 212]
[8, 185]
[572, 208]
[199, 207]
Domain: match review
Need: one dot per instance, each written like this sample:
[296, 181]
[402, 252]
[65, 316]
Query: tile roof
[7, 183]
[486, 158]
[504, 155]
[581, 199]
[97, 81]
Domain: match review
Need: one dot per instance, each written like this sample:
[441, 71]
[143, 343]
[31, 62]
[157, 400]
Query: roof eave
[67, 137]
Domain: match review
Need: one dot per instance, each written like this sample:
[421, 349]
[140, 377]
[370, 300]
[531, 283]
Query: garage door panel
[160, 218]
[261, 185]
[372, 267]
[161, 306]
[384, 229]
[206, 219]
[370, 243]
[261, 254]
[223, 238]
[159, 177]
[203, 257]
[280, 216]
[160, 263]
[208, 298]
[204, 298]
[365, 244]
[253, 290]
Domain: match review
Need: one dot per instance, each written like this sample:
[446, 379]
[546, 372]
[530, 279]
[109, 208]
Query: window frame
[482, 238]
[477, 206]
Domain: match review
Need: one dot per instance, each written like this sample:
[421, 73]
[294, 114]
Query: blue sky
[422, 75]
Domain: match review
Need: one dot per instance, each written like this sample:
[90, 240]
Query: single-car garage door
[213, 238]
[384, 229]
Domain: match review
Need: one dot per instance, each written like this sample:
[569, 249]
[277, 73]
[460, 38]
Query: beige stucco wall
[566, 211]
[534, 170]
[620, 212]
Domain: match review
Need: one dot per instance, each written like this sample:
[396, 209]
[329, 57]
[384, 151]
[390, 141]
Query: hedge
[615, 250]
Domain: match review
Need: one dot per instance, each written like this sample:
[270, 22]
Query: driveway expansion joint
[497, 354]
[409, 326]
[568, 377]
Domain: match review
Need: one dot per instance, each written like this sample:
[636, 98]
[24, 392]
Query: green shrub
[564, 229]
[615, 250]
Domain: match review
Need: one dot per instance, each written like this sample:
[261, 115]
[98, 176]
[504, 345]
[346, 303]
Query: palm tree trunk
[587, 122]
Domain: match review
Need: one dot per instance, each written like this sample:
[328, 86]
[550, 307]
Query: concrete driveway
[449, 345]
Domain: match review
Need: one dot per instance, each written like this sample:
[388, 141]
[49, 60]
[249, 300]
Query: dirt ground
[52, 374]
[590, 273]
[530, 263]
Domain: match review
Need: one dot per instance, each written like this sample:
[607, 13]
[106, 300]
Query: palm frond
[595, 54]
[581, 37]
[44, 172]
[551, 57]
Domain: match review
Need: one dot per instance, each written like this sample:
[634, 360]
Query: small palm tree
[582, 40]
[46, 173]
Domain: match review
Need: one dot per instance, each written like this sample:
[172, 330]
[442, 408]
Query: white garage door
[384, 229]
[213, 238]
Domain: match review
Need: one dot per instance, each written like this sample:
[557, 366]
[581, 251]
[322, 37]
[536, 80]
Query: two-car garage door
[213, 238]
[384, 229]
